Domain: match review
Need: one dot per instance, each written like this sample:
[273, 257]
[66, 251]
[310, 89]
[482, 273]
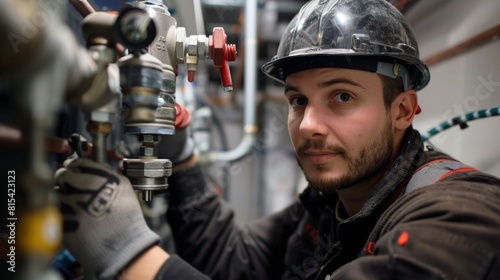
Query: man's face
[341, 131]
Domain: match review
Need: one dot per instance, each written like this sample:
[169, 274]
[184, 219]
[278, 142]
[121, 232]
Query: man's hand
[104, 227]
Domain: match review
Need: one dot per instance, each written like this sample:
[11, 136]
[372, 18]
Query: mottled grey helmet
[370, 35]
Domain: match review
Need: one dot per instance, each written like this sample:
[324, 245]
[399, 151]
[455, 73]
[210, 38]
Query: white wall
[467, 82]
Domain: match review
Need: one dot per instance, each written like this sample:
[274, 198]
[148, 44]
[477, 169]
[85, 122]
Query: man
[377, 206]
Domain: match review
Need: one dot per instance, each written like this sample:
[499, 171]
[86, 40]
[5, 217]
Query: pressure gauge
[135, 28]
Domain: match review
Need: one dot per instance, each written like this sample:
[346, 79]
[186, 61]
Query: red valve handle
[221, 53]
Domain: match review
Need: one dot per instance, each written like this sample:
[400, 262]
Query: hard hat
[370, 35]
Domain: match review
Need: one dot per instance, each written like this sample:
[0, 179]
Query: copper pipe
[405, 5]
[401, 4]
[488, 35]
[13, 138]
[9, 135]
[83, 7]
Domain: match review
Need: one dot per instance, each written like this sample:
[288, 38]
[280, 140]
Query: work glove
[104, 227]
[178, 147]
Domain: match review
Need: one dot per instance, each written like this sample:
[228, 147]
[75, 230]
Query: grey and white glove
[104, 227]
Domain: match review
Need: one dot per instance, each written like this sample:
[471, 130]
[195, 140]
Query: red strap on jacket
[429, 173]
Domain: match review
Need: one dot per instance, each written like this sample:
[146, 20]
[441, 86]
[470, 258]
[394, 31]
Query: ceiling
[201, 16]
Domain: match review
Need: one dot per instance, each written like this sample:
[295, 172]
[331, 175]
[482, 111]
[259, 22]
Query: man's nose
[313, 123]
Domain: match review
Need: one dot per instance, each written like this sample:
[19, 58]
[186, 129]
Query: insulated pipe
[250, 128]
[461, 121]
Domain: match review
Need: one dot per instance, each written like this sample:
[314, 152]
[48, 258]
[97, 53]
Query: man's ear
[403, 109]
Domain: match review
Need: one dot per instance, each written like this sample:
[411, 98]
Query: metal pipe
[200, 25]
[250, 64]
[250, 127]
[99, 151]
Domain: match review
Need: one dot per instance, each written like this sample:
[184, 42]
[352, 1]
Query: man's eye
[342, 97]
[298, 101]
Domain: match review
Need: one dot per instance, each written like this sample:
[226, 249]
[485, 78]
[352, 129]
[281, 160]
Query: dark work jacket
[448, 230]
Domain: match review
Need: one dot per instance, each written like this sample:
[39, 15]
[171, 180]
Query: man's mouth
[319, 156]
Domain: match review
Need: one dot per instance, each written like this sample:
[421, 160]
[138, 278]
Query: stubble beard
[370, 161]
